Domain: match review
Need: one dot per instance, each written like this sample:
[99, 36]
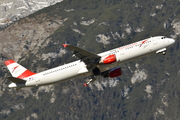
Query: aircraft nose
[171, 41]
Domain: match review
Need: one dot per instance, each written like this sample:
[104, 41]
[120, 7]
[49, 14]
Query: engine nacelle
[109, 59]
[115, 72]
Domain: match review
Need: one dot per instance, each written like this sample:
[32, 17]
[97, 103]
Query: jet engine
[115, 72]
[109, 59]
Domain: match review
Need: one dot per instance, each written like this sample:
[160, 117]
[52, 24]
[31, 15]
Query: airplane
[89, 64]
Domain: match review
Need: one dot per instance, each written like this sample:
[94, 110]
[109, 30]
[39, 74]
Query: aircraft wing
[85, 56]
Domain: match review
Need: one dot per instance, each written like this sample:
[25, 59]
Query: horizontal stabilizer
[16, 80]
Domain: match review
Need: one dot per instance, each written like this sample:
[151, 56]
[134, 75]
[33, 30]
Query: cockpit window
[163, 37]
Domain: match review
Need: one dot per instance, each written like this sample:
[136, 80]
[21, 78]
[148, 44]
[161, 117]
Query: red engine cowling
[112, 73]
[109, 59]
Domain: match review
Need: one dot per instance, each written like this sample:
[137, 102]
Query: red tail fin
[17, 70]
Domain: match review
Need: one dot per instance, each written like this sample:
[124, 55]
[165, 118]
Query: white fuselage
[78, 68]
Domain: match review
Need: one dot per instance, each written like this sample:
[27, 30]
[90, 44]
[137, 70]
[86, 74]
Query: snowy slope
[13, 10]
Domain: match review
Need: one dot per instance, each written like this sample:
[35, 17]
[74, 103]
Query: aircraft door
[37, 78]
[122, 52]
[155, 41]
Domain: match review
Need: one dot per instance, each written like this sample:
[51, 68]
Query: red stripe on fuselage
[27, 73]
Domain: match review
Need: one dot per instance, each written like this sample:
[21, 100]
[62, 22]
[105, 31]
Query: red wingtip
[85, 84]
[8, 62]
[65, 45]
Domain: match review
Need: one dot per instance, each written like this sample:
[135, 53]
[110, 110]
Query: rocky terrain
[148, 89]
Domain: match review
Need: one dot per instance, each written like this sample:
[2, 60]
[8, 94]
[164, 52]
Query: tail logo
[14, 68]
[17, 70]
[143, 42]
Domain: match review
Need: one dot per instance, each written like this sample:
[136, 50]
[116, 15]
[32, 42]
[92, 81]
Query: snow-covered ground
[13, 10]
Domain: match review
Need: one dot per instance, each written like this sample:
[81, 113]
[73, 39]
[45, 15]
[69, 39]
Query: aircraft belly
[60, 76]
